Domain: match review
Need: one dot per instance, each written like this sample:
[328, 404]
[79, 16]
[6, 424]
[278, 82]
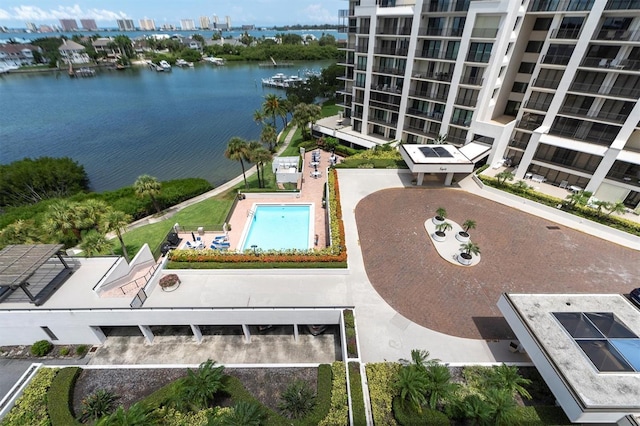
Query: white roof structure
[585, 346]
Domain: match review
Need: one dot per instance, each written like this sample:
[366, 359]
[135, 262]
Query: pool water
[279, 227]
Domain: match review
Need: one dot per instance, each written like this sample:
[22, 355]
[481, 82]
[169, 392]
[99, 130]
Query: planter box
[440, 237]
[462, 236]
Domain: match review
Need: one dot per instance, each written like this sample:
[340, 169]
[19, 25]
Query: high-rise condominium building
[125, 25]
[187, 24]
[147, 24]
[551, 85]
[89, 24]
[68, 24]
[205, 23]
[32, 27]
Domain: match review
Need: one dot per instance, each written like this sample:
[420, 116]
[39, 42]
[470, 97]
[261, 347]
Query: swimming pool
[279, 227]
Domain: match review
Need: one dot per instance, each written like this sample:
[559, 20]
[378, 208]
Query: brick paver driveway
[520, 254]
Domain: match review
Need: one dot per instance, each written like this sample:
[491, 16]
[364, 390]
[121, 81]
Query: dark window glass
[542, 24]
[534, 46]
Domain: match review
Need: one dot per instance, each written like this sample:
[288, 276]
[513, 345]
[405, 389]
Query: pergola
[34, 269]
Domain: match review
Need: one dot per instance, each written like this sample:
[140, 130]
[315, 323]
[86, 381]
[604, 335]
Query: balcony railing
[391, 51]
[389, 106]
[556, 5]
[441, 32]
[618, 35]
[420, 113]
[566, 164]
[556, 59]
[461, 121]
[441, 97]
[386, 70]
[546, 83]
[528, 125]
[435, 54]
[630, 179]
[618, 91]
[566, 33]
[474, 81]
[484, 33]
[603, 137]
[347, 46]
[584, 112]
[622, 4]
[362, 49]
[539, 106]
[422, 131]
[470, 102]
[446, 6]
[514, 143]
[383, 122]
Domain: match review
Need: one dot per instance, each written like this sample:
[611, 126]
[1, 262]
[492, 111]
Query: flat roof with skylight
[586, 347]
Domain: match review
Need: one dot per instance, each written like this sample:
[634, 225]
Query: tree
[273, 106]
[20, 232]
[578, 198]
[521, 186]
[477, 410]
[117, 221]
[200, 387]
[508, 378]
[297, 400]
[137, 415]
[124, 44]
[258, 117]
[305, 115]
[470, 248]
[469, 224]
[617, 208]
[148, 186]
[444, 227]
[66, 219]
[29, 181]
[439, 384]
[503, 406]
[93, 243]
[244, 414]
[262, 156]
[504, 176]
[199, 38]
[238, 150]
[412, 386]
[269, 136]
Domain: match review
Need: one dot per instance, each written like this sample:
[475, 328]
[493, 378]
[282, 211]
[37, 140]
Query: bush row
[60, 397]
[380, 378]
[31, 408]
[406, 415]
[357, 398]
[619, 223]
[339, 413]
[372, 163]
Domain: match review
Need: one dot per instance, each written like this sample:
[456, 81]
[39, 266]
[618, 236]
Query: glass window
[512, 108]
[479, 52]
[534, 46]
[542, 24]
[519, 87]
[527, 67]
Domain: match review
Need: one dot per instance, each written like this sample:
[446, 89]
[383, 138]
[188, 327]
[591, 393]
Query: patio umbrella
[193, 236]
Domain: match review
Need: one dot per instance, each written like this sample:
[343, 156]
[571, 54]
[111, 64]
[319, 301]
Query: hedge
[339, 412]
[254, 265]
[163, 395]
[381, 377]
[31, 408]
[60, 397]
[541, 415]
[372, 163]
[408, 416]
[357, 398]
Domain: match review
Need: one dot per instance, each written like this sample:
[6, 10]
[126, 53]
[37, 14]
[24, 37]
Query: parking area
[520, 253]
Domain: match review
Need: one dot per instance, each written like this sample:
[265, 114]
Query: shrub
[297, 400]
[406, 414]
[64, 351]
[339, 413]
[60, 397]
[169, 280]
[380, 377]
[81, 350]
[31, 408]
[41, 348]
[357, 397]
[99, 404]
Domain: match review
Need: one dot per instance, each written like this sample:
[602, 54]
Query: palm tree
[244, 414]
[137, 415]
[148, 186]
[237, 150]
[269, 136]
[469, 224]
[287, 108]
[470, 248]
[503, 406]
[252, 150]
[66, 219]
[20, 232]
[258, 117]
[600, 205]
[200, 387]
[578, 198]
[95, 243]
[477, 410]
[117, 221]
[439, 385]
[297, 400]
[504, 176]
[305, 114]
[508, 378]
[262, 156]
[92, 212]
[444, 227]
[617, 208]
[420, 358]
[521, 186]
[273, 106]
[441, 213]
[412, 385]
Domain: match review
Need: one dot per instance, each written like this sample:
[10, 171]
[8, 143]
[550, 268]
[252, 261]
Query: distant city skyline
[16, 14]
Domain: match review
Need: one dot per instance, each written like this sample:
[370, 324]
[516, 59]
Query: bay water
[122, 124]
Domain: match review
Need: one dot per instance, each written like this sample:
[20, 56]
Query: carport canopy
[19, 262]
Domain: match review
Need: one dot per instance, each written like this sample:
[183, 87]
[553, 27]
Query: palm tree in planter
[463, 236]
[441, 215]
[468, 249]
[441, 229]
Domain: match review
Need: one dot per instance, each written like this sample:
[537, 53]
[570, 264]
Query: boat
[85, 72]
[182, 63]
[166, 66]
[282, 81]
[213, 60]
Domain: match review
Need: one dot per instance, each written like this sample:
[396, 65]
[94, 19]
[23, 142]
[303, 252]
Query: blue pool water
[279, 227]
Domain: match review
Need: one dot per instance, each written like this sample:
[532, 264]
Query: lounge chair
[220, 245]
[220, 238]
[194, 245]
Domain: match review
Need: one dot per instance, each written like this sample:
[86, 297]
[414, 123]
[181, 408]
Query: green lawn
[294, 147]
[330, 108]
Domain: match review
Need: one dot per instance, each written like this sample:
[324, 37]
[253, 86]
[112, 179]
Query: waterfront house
[16, 55]
[191, 43]
[73, 53]
[105, 46]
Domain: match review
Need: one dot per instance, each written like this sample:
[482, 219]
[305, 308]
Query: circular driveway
[520, 254]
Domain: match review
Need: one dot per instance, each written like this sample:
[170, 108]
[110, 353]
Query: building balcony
[604, 138]
[465, 122]
[347, 46]
[565, 164]
[611, 63]
[622, 5]
[629, 179]
[618, 35]
[563, 5]
[346, 62]
[362, 48]
[386, 88]
[391, 51]
[472, 81]
[421, 131]
[441, 32]
[518, 144]
[439, 76]
[386, 70]
[484, 33]
[442, 97]
[469, 102]
[425, 114]
[357, 115]
[387, 106]
[446, 6]
[584, 113]
[546, 83]
[358, 100]
[435, 54]
[538, 106]
[556, 59]
[528, 125]
[383, 122]
[564, 33]
[393, 31]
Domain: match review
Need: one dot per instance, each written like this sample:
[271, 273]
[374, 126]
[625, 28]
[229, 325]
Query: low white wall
[123, 273]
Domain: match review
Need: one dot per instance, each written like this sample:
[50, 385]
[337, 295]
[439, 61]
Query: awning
[475, 151]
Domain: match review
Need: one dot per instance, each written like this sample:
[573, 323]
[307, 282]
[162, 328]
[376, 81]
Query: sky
[262, 13]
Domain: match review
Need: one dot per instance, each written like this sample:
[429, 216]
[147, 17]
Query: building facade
[205, 23]
[125, 25]
[89, 24]
[187, 24]
[550, 85]
[147, 24]
[68, 24]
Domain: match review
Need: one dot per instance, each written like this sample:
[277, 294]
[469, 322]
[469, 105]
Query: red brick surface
[519, 255]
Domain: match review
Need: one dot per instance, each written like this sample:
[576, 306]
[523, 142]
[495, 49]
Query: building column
[99, 334]
[197, 333]
[295, 332]
[525, 161]
[247, 333]
[147, 333]
[603, 168]
[448, 179]
[420, 179]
